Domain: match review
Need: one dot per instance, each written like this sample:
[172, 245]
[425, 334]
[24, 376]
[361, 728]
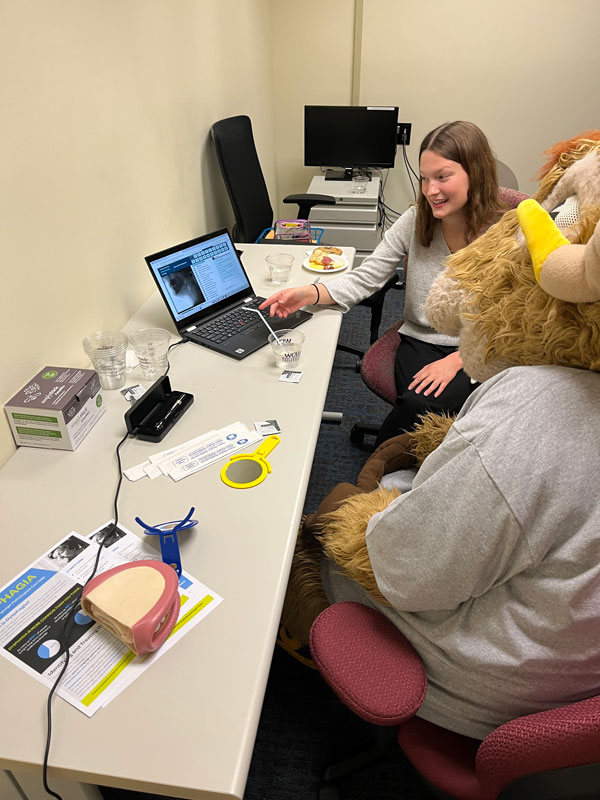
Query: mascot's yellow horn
[568, 273]
[541, 234]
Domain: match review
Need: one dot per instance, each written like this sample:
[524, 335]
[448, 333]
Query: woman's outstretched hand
[286, 301]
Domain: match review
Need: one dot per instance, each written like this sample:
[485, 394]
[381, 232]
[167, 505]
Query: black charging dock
[152, 416]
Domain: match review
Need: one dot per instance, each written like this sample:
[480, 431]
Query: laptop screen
[198, 277]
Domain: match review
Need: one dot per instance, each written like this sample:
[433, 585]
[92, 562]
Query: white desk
[187, 726]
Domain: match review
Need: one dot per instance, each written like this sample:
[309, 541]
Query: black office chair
[247, 190]
[245, 183]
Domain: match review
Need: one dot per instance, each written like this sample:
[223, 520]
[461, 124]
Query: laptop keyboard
[231, 323]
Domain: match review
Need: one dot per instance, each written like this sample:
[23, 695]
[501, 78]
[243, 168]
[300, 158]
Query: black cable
[407, 162]
[69, 619]
[409, 169]
[382, 218]
[171, 346]
[392, 210]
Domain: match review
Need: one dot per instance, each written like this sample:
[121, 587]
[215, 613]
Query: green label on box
[35, 417]
[38, 432]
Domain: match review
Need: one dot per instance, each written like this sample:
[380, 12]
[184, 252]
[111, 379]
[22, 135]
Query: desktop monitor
[350, 137]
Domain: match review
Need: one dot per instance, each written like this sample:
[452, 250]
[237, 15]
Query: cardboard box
[57, 408]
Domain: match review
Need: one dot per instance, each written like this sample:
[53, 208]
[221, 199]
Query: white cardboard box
[57, 408]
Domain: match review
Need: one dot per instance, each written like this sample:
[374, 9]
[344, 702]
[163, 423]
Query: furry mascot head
[489, 295]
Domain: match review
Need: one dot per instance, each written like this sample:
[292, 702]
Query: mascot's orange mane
[560, 148]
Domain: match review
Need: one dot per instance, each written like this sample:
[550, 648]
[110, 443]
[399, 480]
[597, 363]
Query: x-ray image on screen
[184, 290]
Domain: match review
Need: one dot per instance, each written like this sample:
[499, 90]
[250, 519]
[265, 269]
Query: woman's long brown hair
[466, 144]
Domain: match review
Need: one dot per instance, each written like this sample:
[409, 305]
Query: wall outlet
[404, 132]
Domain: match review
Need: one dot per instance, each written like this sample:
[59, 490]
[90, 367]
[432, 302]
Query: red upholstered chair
[374, 670]
[377, 364]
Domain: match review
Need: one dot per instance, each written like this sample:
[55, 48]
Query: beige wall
[313, 66]
[106, 109]
[526, 71]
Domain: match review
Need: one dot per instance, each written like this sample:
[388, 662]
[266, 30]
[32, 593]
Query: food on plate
[326, 258]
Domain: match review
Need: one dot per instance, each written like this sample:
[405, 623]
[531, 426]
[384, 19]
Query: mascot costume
[489, 565]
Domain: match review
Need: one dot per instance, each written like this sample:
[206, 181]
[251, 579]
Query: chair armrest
[560, 738]
[313, 199]
[307, 201]
[368, 663]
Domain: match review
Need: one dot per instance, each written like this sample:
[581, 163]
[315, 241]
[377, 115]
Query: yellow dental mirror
[246, 470]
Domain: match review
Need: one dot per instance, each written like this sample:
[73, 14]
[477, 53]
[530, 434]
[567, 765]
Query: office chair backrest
[512, 197]
[243, 177]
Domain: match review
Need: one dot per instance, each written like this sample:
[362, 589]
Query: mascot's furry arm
[345, 512]
[341, 521]
[429, 434]
[344, 539]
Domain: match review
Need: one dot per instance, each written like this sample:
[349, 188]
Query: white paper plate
[315, 268]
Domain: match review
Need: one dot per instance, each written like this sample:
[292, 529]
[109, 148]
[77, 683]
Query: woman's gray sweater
[400, 242]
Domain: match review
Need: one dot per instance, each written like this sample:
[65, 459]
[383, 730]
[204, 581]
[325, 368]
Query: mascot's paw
[393, 454]
[429, 433]
[343, 538]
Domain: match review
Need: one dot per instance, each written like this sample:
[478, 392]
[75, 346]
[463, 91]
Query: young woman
[458, 202]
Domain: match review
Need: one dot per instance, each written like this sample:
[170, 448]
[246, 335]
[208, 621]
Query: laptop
[204, 286]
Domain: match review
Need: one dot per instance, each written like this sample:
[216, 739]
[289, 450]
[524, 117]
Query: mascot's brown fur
[490, 297]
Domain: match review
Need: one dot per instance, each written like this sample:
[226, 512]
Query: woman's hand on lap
[436, 376]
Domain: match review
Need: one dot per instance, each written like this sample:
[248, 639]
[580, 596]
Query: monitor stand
[345, 174]
[339, 174]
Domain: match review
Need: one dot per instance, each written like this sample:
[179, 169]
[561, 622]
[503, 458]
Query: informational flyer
[36, 603]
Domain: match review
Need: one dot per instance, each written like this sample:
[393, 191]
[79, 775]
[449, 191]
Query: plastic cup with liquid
[287, 347]
[280, 266]
[107, 351]
[150, 346]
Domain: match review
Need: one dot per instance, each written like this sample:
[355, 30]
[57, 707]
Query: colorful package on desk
[57, 408]
[297, 229]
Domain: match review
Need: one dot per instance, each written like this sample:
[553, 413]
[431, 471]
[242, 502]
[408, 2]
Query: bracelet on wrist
[316, 285]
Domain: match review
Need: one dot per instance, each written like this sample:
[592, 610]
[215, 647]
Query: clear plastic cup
[150, 346]
[107, 351]
[360, 183]
[280, 266]
[288, 349]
